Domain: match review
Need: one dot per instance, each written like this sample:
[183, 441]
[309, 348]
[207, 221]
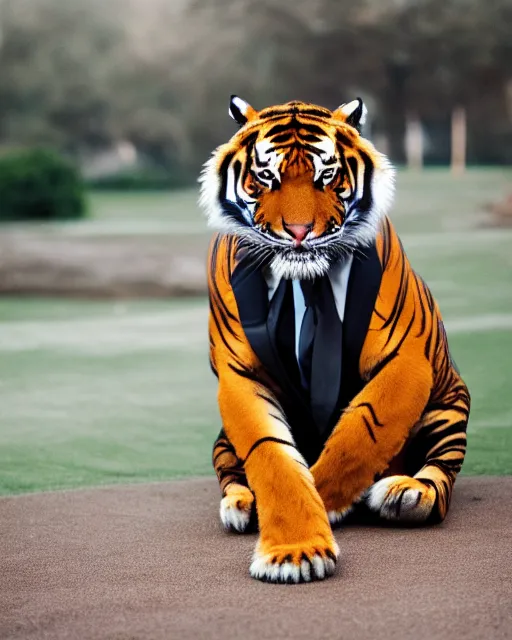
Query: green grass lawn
[120, 391]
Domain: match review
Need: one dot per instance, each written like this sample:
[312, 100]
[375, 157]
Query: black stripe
[294, 110]
[387, 243]
[393, 354]
[370, 430]
[223, 171]
[401, 303]
[352, 163]
[237, 169]
[266, 439]
[314, 111]
[398, 304]
[244, 372]
[221, 334]
[441, 406]
[281, 138]
[223, 452]
[310, 137]
[366, 202]
[372, 411]
[271, 400]
[448, 430]
[314, 150]
[280, 419]
[428, 428]
[427, 345]
[343, 140]
[279, 128]
[384, 362]
[248, 139]
[423, 314]
[218, 297]
[398, 504]
[312, 128]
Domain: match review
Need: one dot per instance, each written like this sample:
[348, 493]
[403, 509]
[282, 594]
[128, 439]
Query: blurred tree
[84, 76]
[58, 64]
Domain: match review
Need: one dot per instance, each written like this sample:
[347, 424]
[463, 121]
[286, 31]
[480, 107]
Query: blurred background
[108, 108]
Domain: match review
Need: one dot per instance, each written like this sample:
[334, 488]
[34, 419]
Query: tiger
[336, 387]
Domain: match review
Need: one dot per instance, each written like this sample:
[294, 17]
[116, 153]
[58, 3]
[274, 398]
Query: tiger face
[298, 184]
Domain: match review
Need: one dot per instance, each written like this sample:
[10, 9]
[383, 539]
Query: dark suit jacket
[310, 427]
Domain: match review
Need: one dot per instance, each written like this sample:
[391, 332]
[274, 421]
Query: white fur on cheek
[209, 194]
[382, 191]
[210, 191]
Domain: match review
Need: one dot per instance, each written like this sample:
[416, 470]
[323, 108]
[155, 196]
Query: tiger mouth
[289, 248]
[300, 265]
[310, 259]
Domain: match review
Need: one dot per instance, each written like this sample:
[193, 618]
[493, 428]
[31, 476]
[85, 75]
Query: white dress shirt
[338, 276]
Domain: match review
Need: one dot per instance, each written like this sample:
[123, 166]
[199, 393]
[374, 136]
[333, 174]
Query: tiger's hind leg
[437, 449]
[237, 503]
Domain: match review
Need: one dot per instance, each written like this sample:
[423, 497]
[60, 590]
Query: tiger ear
[352, 113]
[241, 111]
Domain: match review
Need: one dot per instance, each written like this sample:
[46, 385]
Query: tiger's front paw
[401, 498]
[293, 563]
[236, 508]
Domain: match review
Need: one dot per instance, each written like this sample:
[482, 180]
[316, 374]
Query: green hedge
[143, 179]
[39, 185]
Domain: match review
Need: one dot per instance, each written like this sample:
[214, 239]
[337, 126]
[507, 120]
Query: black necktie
[320, 349]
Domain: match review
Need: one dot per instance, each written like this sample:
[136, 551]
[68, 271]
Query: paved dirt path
[151, 562]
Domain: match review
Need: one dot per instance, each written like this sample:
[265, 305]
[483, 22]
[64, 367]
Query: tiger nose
[297, 231]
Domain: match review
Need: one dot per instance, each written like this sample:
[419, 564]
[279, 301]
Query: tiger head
[299, 184]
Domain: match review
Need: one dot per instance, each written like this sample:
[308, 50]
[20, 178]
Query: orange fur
[285, 489]
[297, 203]
[406, 426]
[399, 393]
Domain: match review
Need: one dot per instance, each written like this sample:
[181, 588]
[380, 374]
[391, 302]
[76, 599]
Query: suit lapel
[251, 295]
[363, 289]
[336, 377]
[260, 319]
